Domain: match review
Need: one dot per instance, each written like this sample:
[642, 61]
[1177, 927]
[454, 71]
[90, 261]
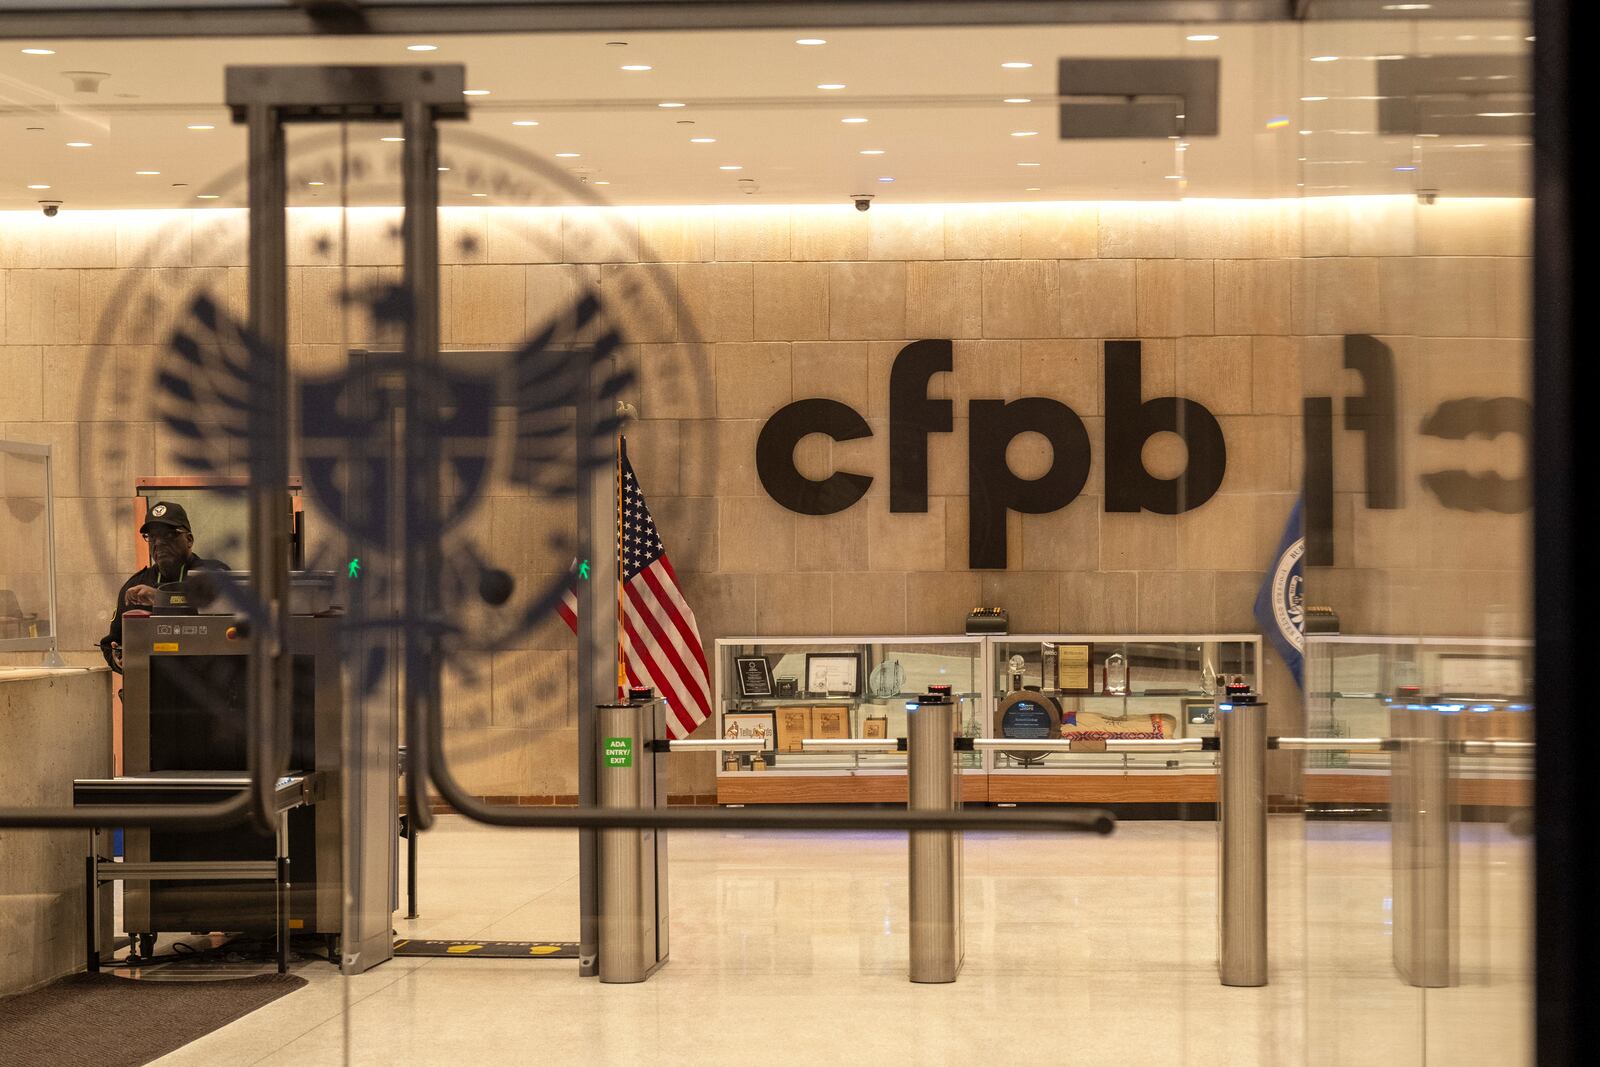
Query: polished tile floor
[791, 949]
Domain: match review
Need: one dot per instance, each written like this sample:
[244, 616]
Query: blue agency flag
[1280, 605]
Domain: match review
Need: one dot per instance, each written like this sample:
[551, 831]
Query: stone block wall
[729, 313]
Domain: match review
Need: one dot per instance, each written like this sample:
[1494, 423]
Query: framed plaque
[794, 725]
[830, 722]
[833, 672]
[755, 676]
[1073, 667]
[1200, 712]
[875, 726]
[741, 725]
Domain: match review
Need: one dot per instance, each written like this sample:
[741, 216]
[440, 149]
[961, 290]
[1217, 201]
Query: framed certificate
[755, 676]
[1072, 667]
[830, 722]
[833, 672]
[794, 726]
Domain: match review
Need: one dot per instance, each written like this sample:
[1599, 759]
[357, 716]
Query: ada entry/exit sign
[618, 751]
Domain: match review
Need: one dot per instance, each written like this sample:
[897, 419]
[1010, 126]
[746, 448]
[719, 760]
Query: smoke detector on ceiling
[85, 81]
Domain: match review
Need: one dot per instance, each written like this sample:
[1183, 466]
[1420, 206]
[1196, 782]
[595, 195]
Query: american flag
[660, 639]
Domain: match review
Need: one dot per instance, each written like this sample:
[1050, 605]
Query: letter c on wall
[775, 456]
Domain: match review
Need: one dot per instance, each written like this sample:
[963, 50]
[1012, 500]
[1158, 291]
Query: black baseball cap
[162, 513]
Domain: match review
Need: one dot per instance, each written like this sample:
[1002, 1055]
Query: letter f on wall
[912, 417]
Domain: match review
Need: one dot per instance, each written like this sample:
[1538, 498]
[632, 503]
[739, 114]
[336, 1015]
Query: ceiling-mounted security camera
[51, 208]
[863, 201]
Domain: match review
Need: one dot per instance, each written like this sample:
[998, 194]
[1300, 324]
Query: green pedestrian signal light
[355, 567]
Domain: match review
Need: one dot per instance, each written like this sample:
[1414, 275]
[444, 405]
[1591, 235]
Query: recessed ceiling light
[38, 187]
[38, 51]
[79, 144]
[886, 179]
[422, 48]
[480, 194]
[730, 166]
[201, 126]
[147, 173]
[392, 140]
[475, 92]
[601, 183]
[1312, 99]
[1408, 7]
[206, 196]
[443, 169]
[1201, 37]
[671, 103]
[1018, 100]
[524, 122]
[853, 119]
[702, 140]
[810, 40]
[1016, 64]
[566, 155]
[1024, 133]
[872, 151]
[637, 66]
[1027, 164]
[831, 85]
[1323, 59]
[316, 183]
[1031, 189]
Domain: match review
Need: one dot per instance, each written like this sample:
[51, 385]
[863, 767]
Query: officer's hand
[141, 594]
[116, 654]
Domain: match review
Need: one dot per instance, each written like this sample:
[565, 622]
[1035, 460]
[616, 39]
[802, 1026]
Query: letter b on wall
[1130, 422]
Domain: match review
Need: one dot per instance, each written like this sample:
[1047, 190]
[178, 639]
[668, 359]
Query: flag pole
[622, 659]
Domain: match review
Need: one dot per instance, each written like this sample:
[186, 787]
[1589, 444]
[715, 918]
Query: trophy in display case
[1016, 664]
[1114, 675]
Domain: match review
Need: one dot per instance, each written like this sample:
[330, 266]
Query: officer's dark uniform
[161, 513]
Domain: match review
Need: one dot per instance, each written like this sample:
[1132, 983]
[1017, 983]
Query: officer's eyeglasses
[168, 534]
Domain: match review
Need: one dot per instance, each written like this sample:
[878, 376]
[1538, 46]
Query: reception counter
[55, 725]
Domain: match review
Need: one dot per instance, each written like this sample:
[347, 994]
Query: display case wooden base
[1372, 787]
[1135, 788]
[768, 788]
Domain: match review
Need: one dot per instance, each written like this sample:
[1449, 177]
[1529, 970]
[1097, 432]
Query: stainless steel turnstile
[1242, 841]
[1422, 846]
[938, 938]
[631, 772]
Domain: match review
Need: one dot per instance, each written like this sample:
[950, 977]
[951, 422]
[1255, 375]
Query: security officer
[172, 557]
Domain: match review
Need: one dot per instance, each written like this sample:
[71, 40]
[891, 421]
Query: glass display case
[1360, 685]
[1095, 688]
[1086, 688]
[788, 689]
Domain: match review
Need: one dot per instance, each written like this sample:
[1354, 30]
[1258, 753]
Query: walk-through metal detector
[265, 99]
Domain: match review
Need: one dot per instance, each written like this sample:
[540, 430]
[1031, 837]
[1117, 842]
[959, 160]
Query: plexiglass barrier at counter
[28, 565]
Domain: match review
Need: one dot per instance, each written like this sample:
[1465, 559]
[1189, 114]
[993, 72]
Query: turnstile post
[938, 942]
[1422, 847]
[1242, 840]
[632, 863]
